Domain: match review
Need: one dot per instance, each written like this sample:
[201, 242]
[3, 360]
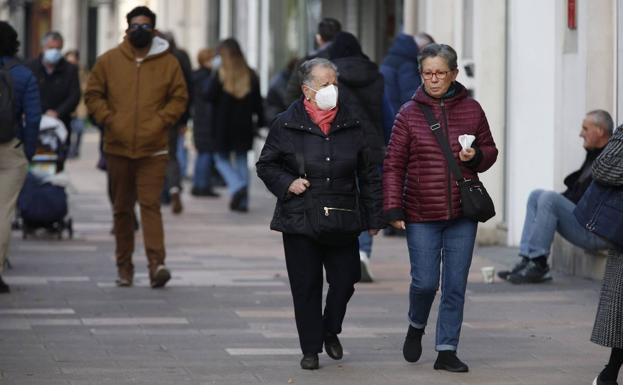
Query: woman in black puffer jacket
[317, 164]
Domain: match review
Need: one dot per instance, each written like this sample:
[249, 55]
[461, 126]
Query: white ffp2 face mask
[326, 97]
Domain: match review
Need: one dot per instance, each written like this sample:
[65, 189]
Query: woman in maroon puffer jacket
[421, 195]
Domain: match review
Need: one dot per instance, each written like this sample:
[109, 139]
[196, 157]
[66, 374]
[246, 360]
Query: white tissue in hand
[466, 141]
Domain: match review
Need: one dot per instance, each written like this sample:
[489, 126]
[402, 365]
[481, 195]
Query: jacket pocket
[334, 215]
[292, 214]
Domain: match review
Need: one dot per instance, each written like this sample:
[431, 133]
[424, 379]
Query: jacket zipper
[138, 85]
[327, 210]
[445, 127]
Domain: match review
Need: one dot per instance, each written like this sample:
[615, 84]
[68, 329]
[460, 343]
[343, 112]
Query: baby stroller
[42, 203]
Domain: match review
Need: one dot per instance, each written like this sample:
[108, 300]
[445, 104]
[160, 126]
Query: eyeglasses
[428, 75]
[146, 27]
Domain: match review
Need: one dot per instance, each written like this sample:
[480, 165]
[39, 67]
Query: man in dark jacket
[361, 87]
[328, 28]
[59, 81]
[549, 212]
[16, 151]
[172, 192]
[202, 127]
[401, 74]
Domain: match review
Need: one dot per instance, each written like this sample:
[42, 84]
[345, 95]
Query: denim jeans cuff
[538, 253]
[417, 325]
[444, 348]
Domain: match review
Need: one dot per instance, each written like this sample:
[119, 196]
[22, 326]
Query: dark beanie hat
[344, 45]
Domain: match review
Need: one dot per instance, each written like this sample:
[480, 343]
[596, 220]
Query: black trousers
[305, 258]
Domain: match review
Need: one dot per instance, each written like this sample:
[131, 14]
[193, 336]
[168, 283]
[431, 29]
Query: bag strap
[442, 141]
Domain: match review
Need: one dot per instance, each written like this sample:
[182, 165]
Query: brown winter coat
[136, 103]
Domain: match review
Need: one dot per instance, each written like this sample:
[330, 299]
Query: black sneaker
[532, 273]
[412, 348]
[447, 360]
[333, 347]
[517, 268]
[4, 288]
[310, 361]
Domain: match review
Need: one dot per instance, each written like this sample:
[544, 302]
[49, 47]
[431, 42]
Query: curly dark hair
[141, 11]
[8, 40]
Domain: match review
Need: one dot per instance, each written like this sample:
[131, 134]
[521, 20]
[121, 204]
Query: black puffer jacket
[337, 163]
[233, 126]
[202, 112]
[60, 90]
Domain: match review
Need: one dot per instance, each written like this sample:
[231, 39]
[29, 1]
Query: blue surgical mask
[52, 55]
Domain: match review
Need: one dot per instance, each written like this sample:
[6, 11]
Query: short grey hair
[305, 70]
[603, 119]
[444, 51]
[52, 35]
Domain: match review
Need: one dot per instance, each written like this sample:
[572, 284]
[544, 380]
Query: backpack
[8, 122]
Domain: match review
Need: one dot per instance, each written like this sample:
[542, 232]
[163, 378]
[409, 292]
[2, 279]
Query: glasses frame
[440, 75]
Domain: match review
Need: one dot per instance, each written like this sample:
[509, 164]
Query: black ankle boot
[310, 361]
[4, 288]
[333, 347]
[412, 348]
[447, 360]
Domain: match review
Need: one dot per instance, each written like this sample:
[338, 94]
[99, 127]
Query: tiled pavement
[226, 316]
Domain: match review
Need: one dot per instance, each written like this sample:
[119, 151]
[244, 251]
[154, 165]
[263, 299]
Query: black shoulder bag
[475, 199]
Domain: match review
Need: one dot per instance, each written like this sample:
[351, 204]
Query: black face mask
[140, 38]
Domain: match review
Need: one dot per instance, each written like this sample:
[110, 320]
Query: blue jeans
[236, 173]
[182, 154]
[548, 212]
[202, 176]
[432, 244]
[365, 243]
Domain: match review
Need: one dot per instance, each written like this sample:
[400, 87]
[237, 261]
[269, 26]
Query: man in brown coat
[136, 91]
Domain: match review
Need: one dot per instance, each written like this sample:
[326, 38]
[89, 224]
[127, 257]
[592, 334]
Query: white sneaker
[366, 275]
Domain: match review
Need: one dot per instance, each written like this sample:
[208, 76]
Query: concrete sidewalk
[226, 316]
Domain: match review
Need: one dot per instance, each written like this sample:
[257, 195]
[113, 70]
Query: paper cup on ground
[488, 272]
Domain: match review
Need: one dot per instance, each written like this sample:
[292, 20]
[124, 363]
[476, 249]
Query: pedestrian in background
[328, 28]
[59, 81]
[176, 169]
[237, 109]
[202, 128]
[137, 91]
[277, 98]
[599, 210]
[361, 86]
[316, 162]
[426, 199]
[80, 116]
[20, 113]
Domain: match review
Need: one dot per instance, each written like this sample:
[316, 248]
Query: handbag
[333, 217]
[600, 211]
[475, 200]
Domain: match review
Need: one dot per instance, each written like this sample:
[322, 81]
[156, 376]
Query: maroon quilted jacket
[417, 183]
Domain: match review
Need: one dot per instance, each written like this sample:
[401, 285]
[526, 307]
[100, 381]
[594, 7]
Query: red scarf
[321, 117]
